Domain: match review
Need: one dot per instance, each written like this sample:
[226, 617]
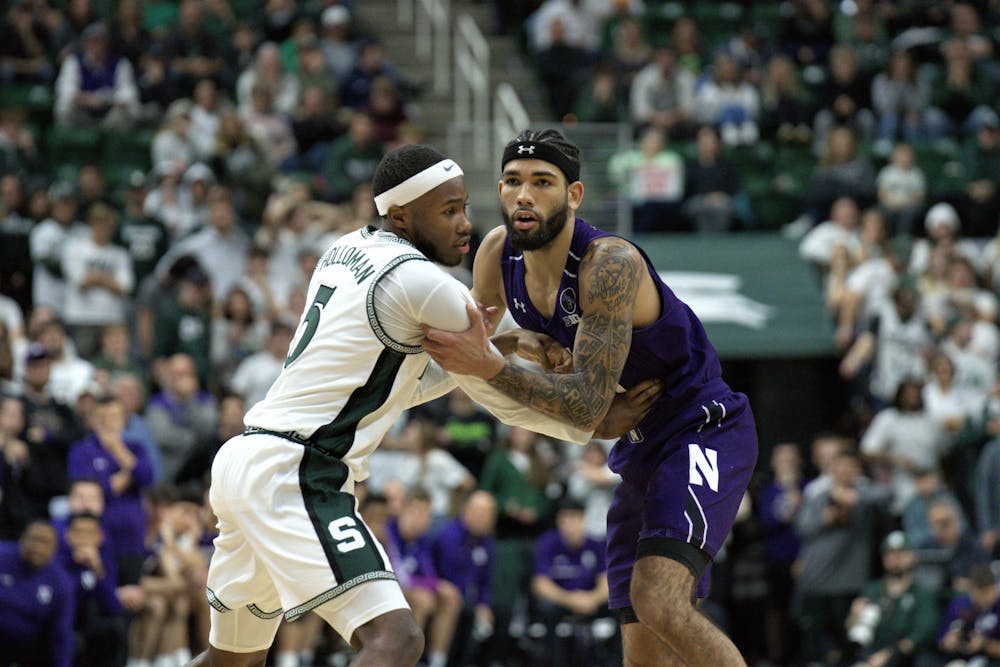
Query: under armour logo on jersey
[520, 305]
[522, 149]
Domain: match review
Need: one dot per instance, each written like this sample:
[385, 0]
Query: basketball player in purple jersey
[686, 465]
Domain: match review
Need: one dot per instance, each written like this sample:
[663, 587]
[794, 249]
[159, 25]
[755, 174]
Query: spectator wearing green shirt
[145, 238]
[183, 322]
[352, 159]
[895, 618]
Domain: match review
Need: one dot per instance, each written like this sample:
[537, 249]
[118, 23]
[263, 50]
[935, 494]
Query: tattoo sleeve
[609, 281]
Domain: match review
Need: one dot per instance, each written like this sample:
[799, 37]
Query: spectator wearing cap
[182, 321]
[182, 415]
[192, 199]
[191, 50]
[969, 634]
[51, 428]
[255, 374]
[943, 229]
[982, 171]
[894, 619]
[36, 626]
[24, 45]
[144, 237]
[96, 87]
[99, 280]
[338, 49]
[220, 248]
[48, 239]
[569, 579]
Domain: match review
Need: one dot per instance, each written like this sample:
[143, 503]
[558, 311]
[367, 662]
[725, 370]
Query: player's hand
[629, 408]
[537, 348]
[465, 352]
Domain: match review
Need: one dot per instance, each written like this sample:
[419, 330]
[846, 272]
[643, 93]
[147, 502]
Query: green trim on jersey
[373, 316]
[215, 602]
[266, 615]
[326, 596]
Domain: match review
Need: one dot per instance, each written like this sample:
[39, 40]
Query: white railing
[472, 81]
[404, 13]
[432, 31]
[509, 116]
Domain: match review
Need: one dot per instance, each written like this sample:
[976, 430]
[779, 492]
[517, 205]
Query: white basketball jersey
[342, 368]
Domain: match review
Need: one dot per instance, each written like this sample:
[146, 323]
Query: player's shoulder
[611, 248]
[493, 242]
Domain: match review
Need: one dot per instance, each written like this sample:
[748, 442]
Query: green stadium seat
[131, 148]
[75, 145]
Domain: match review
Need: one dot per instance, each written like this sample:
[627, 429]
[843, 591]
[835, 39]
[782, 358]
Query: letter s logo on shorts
[345, 534]
[704, 466]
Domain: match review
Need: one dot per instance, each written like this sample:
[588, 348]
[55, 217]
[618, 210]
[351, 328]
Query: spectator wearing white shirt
[172, 147]
[268, 71]
[204, 118]
[841, 231]
[901, 188]
[70, 375]
[653, 177]
[662, 95]
[338, 49]
[255, 374]
[582, 20]
[99, 279]
[47, 241]
[728, 102]
[946, 402]
[943, 225]
[95, 87]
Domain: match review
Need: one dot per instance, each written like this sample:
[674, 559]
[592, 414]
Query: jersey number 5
[323, 295]
[345, 534]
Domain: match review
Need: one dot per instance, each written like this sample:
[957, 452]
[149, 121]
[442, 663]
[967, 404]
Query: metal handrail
[509, 116]
[472, 81]
[432, 39]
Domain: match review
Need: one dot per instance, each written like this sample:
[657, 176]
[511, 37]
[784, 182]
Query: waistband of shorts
[286, 435]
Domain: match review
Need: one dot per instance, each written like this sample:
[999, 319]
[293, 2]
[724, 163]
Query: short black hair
[549, 136]
[402, 163]
[80, 516]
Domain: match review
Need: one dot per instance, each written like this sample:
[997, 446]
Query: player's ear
[574, 195]
[499, 186]
[398, 216]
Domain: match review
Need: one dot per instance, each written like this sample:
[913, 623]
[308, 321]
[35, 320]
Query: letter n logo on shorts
[704, 467]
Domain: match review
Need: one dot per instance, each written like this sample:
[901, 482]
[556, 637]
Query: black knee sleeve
[690, 556]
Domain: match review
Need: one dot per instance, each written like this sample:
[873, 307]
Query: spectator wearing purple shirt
[36, 626]
[123, 470]
[970, 628]
[434, 600]
[100, 623]
[463, 553]
[570, 580]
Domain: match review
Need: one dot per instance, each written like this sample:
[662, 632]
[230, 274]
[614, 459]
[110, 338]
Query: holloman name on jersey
[356, 261]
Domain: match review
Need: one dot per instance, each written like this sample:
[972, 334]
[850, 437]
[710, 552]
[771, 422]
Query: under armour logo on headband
[530, 150]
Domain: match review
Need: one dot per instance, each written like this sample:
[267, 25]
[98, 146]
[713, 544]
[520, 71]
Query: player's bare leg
[442, 630]
[642, 648]
[214, 657]
[390, 639]
[661, 597]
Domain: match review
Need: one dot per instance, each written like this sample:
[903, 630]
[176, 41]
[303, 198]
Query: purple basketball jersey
[685, 467]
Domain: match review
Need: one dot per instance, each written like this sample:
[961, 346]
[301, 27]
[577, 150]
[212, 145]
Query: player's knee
[449, 596]
[156, 608]
[392, 639]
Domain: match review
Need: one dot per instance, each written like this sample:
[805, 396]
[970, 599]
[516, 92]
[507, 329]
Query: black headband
[530, 150]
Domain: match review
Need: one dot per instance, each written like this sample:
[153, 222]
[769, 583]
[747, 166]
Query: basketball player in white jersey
[290, 539]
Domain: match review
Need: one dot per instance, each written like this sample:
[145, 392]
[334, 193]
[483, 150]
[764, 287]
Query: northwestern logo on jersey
[704, 467]
[520, 305]
[567, 301]
[522, 149]
[356, 261]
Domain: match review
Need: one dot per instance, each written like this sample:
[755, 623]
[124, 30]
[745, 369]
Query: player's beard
[547, 229]
[430, 251]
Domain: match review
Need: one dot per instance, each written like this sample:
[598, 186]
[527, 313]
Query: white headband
[417, 185]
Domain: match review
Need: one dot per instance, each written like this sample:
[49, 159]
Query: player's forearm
[570, 397]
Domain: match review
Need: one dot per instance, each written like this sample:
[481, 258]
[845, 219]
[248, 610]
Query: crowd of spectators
[170, 172]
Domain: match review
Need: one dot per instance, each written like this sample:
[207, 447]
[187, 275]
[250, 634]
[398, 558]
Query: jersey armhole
[373, 321]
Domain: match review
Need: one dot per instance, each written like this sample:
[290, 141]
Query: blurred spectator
[864, 33]
[959, 94]
[462, 553]
[947, 403]
[99, 280]
[71, 375]
[807, 33]
[518, 474]
[239, 160]
[96, 87]
[841, 172]
[48, 238]
[24, 45]
[591, 482]
[581, 20]
[902, 438]
[929, 486]
[386, 109]
[100, 624]
[900, 99]
[191, 50]
[653, 177]
[987, 497]
[837, 529]
[943, 230]
[159, 86]
[662, 95]
[956, 545]
[124, 471]
[599, 101]
[129, 37]
[352, 159]
[172, 146]
[982, 171]
[271, 129]
[630, 51]
[15, 510]
[778, 508]
[844, 98]
[15, 230]
[370, 64]
[90, 185]
[144, 237]
[198, 463]
[268, 72]
[115, 353]
[37, 599]
[256, 373]
[315, 125]
[18, 147]
[569, 580]
[785, 112]
[730, 103]
[204, 118]
[434, 599]
[714, 197]
[894, 619]
[562, 69]
[131, 393]
[239, 330]
[966, 30]
[823, 241]
[338, 49]
[901, 189]
[970, 634]
[182, 321]
[685, 39]
[180, 416]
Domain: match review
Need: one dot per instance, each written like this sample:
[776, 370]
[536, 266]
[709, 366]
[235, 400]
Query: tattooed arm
[609, 280]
